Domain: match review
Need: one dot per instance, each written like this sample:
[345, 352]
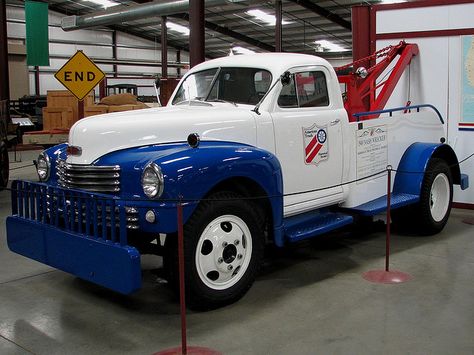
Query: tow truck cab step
[312, 224]
[379, 205]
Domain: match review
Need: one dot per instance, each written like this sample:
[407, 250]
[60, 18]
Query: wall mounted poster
[467, 105]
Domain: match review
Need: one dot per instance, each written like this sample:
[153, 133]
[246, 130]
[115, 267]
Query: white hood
[99, 135]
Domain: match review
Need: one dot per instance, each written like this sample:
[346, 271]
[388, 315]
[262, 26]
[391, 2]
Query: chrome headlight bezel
[155, 188]
[43, 167]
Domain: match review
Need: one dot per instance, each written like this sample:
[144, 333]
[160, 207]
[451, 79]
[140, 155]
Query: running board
[379, 205]
[311, 224]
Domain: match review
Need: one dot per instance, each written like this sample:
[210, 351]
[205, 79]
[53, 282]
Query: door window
[306, 89]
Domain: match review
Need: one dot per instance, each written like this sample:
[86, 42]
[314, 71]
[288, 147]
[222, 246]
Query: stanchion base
[191, 350]
[469, 221]
[386, 277]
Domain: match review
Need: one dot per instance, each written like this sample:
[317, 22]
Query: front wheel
[435, 198]
[223, 251]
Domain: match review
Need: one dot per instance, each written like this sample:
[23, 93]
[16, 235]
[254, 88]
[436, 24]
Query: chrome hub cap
[223, 252]
[439, 197]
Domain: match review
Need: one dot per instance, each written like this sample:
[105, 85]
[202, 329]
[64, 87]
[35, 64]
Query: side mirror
[157, 82]
[285, 78]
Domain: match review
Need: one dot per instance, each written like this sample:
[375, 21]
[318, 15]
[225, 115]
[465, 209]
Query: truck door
[308, 137]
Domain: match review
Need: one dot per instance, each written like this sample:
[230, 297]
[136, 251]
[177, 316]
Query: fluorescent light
[104, 3]
[324, 45]
[242, 50]
[267, 18]
[177, 28]
[392, 1]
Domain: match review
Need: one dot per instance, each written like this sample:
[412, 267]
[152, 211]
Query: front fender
[192, 173]
[413, 164]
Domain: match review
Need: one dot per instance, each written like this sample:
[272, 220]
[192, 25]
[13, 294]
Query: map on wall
[467, 110]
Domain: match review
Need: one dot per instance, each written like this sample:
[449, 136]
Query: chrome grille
[89, 177]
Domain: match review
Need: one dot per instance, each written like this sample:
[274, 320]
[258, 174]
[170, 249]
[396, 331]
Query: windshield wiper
[214, 79]
[192, 102]
[224, 101]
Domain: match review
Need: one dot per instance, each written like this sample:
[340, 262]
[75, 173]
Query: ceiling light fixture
[264, 17]
[327, 46]
[103, 3]
[177, 28]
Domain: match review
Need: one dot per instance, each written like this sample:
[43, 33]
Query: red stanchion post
[182, 295]
[184, 349]
[387, 238]
[386, 276]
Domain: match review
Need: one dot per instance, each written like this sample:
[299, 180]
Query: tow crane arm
[363, 94]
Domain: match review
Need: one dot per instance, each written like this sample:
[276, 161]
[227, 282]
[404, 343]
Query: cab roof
[276, 63]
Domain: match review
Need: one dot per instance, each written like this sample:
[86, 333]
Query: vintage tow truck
[258, 149]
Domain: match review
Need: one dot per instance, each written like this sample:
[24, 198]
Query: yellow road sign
[79, 75]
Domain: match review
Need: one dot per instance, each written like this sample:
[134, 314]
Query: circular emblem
[322, 136]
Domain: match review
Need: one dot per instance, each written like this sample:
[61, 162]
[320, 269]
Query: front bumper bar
[80, 233]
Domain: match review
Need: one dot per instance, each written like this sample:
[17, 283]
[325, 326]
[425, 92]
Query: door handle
[335, 122]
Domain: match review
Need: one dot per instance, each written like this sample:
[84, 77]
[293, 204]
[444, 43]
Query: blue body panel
[411, 169]
[379, 205]
[104, 263]
[191, 173]
[314, 223]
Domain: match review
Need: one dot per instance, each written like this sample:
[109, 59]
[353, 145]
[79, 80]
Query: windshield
[235, 85]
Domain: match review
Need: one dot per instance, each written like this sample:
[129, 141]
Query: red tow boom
[363, 94]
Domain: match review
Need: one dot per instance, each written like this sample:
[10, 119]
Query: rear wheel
[431, 213]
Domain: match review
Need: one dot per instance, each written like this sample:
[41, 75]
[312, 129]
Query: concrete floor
[310, 299]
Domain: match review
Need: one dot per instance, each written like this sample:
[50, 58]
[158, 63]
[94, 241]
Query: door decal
[316, 144]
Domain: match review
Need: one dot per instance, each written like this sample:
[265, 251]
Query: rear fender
[411, 169]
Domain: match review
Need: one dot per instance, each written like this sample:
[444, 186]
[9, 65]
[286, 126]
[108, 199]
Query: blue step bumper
[80, 233]
[104, 263]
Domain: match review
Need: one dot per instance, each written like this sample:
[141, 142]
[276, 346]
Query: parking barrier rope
[184, 200]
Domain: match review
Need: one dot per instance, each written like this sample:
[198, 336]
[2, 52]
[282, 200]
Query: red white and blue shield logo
[316, 146]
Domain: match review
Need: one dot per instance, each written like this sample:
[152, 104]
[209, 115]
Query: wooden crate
[63, 98]
[57, 118]
[95, 110]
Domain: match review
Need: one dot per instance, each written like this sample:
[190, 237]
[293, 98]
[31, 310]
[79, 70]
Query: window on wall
[306, 89]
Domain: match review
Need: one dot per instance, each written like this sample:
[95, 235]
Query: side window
[287, 96]
[307, 89]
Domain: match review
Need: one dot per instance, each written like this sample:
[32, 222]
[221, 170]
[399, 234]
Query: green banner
[37, 41]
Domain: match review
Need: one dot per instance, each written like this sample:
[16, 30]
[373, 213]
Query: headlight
[43, 167]
[152, 181]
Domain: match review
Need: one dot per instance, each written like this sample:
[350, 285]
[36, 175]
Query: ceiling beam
[321, 11]
[228, 32]
[124, 29]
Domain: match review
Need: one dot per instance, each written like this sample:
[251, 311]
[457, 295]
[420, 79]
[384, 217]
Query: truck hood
[102, 134]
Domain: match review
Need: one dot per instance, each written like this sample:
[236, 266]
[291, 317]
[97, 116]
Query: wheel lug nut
[230, 267]
[239, 256]
[220, 260]
[224, 244]
[236, 242]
